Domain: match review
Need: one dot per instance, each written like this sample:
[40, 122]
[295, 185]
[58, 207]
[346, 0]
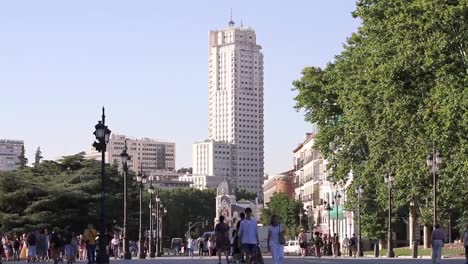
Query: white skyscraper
[235, 103]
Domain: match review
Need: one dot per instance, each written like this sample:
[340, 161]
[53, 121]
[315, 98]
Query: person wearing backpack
[318, 244]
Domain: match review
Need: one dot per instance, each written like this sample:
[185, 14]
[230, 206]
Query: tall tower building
[235, 103]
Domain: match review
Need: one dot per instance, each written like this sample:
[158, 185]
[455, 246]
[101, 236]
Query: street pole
[102, 134]
[157, 226]
[359, 191]
[125, 157]
[141, 254]
[151, 247]
[389, 178]
[434, 179]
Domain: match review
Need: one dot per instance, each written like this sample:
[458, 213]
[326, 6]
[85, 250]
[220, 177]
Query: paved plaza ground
[290, 260]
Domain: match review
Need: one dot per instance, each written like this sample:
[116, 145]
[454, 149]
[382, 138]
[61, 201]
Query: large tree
[287, 209]
[398, 89]
[38, 156]
[22, 160]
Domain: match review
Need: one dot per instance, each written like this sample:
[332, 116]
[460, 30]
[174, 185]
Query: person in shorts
[222, 239]
[248, 236]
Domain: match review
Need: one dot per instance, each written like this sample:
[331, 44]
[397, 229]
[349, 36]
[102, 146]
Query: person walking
[275, 242]
[318, 244]
[31, 242]
[16, 248]
[437, 238]
[222, 239]
[201, 246]
[248, 236]
[465, 243]
[89, 236]
[55, 243]
[190, 245]
[115, 246]
[41, 246]
[302, 237]
[345, 244]
[353, 245]
[210, 247]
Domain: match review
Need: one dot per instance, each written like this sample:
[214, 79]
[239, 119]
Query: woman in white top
[274, 231]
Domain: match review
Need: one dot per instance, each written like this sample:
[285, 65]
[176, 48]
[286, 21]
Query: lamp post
[328, 208]
[158, 201]
[161, 210]
[125, 158]
[163, 213]
[151, 242]
[337, 202]
[102, 134]
[434, 162]
[359, 192]
[389, 179]
[141, 179]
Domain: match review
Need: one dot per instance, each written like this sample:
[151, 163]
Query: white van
[292, 247]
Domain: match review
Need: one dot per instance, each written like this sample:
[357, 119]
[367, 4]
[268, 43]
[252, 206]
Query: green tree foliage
[288, 211]
[243, 194]
[22, 160]
[185, 170]
[38, 156]
[62, 194]
[398, 87]
[187, 205]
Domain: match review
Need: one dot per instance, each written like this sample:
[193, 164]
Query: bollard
[415, 249]
[376, 250]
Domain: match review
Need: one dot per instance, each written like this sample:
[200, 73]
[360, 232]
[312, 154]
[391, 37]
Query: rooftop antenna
[231, 22]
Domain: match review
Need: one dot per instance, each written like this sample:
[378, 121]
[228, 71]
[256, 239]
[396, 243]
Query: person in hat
[302, 237]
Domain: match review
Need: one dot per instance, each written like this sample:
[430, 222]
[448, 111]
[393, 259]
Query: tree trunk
[427, 236]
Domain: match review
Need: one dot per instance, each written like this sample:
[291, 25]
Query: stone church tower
[225, 200]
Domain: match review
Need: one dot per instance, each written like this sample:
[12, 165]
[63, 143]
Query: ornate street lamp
[141, 179]
[359, 192]
[434, 165]
[337, 202]
[158, 204]
[125, 158]
[151, 238]
[389, 179]
[102, 133]
[328, 208]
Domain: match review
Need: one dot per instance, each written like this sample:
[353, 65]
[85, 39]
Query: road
[290, 260]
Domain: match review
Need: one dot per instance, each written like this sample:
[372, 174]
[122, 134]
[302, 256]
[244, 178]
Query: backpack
[352, 241]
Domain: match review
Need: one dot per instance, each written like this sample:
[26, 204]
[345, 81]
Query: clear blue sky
[146, 61]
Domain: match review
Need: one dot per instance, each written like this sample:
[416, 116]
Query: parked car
[292, 247]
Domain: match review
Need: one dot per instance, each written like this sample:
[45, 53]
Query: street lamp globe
[438, 158]
[300, 214]
[165, 210]
[151, 189]
[100, 130]
[107, 133]
[125, 157]
[429, 161]
[158, 199]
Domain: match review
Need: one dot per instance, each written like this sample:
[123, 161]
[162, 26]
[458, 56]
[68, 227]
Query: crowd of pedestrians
[58, 245]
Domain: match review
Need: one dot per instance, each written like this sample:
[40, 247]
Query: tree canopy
[398, 89]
